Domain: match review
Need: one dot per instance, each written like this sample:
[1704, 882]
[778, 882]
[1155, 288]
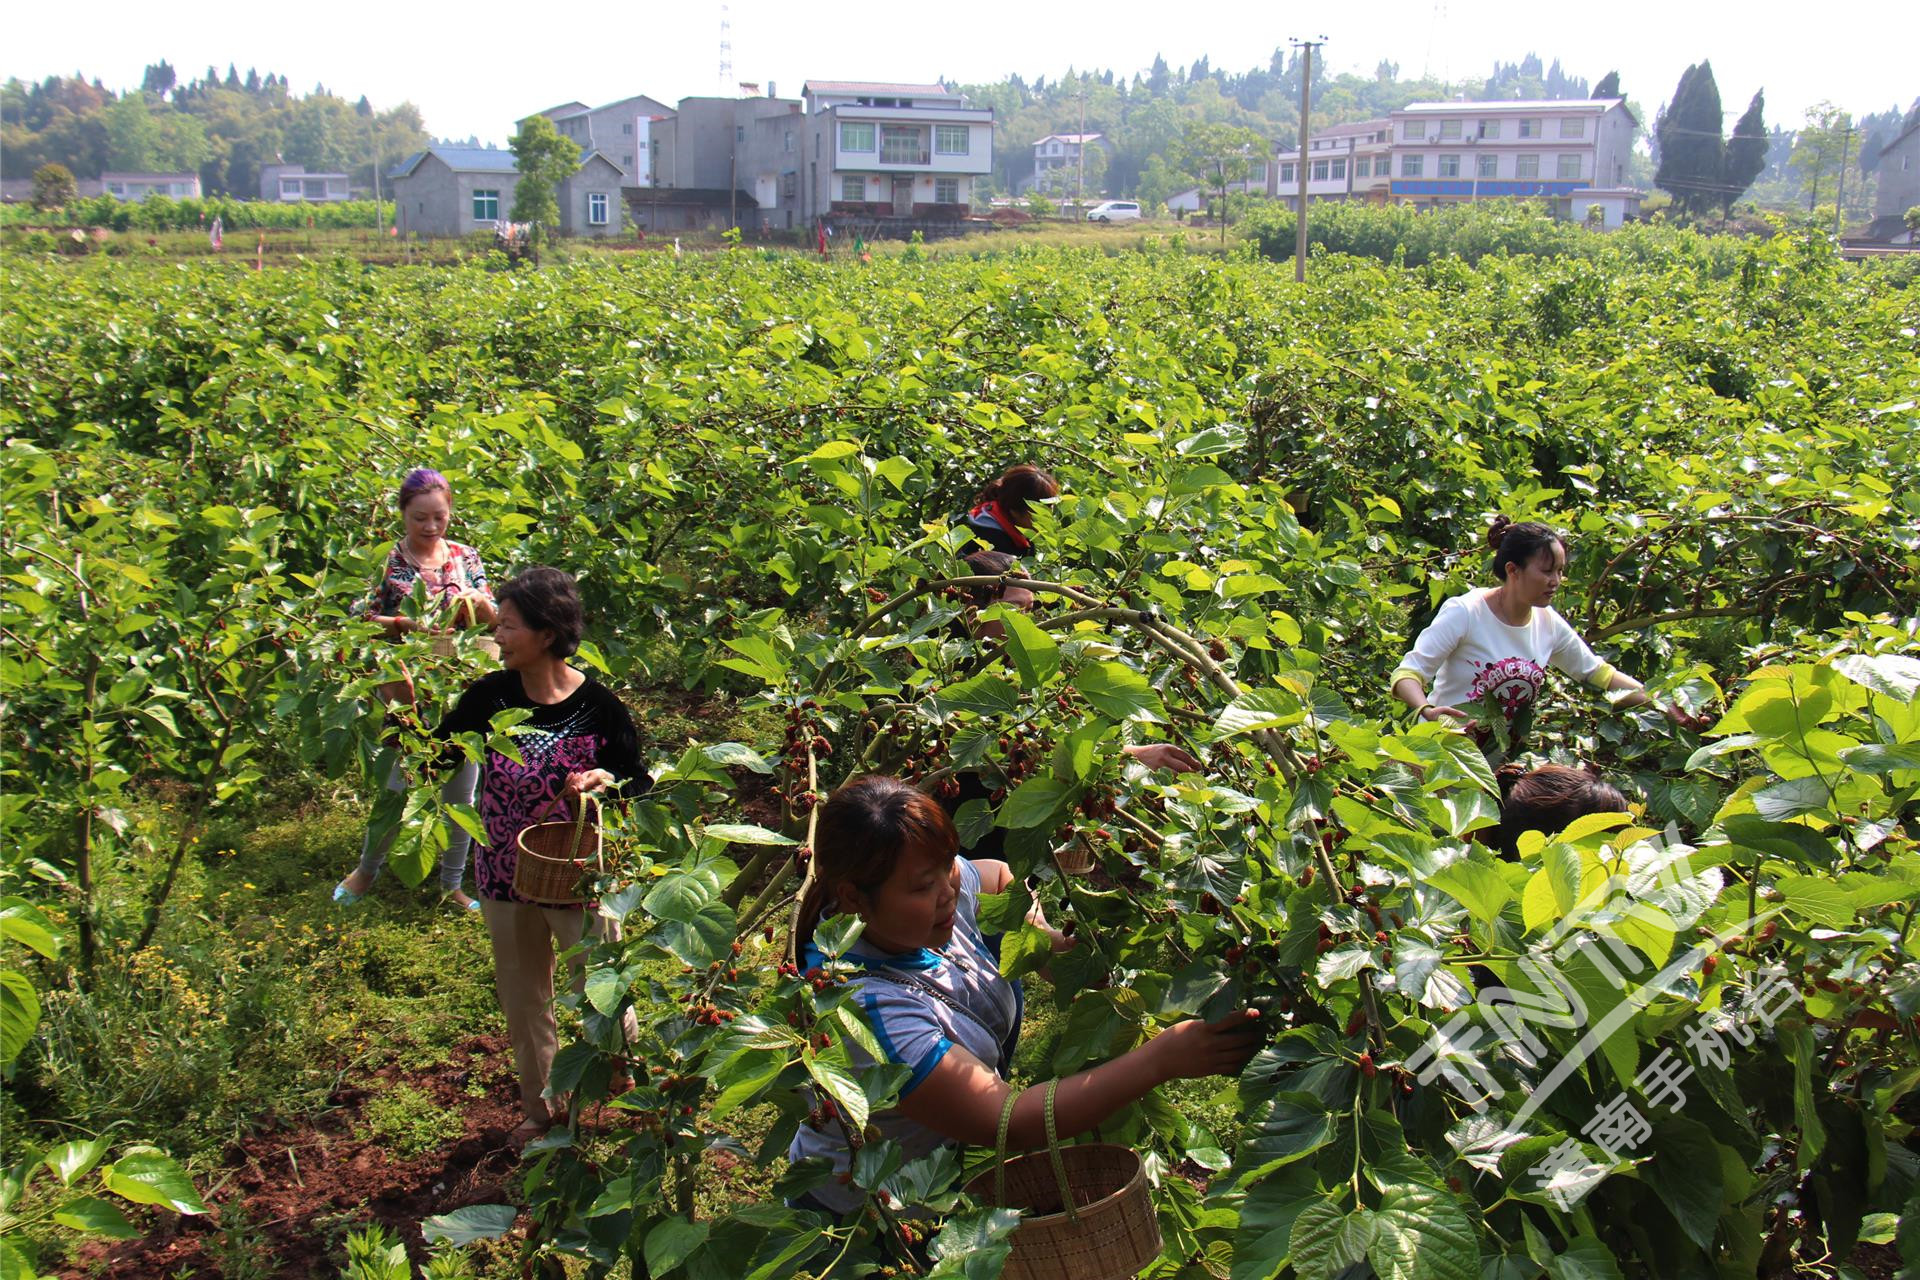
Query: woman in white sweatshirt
[1496, 643]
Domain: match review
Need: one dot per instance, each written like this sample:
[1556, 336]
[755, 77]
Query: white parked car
[1115, 211]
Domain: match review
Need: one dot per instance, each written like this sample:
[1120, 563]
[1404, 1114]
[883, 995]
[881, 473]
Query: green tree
[1820, 148]
[133, 136]
[1746, 156]
[545, 160]
[1609, 86]
[53, 186]
[1220, 155]
[1692, 148]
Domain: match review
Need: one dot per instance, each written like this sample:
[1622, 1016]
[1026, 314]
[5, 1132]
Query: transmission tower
[726, 52]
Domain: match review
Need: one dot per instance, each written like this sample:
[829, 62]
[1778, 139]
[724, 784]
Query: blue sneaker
[345, 896]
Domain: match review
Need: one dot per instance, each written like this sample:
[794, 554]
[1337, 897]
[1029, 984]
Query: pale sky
[474, 68]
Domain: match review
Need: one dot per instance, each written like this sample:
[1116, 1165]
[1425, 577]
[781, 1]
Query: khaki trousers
[526, 939]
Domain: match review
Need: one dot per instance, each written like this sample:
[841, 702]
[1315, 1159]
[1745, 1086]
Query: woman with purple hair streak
[458, 597]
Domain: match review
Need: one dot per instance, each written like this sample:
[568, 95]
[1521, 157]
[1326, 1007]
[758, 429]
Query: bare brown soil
[304, 1184]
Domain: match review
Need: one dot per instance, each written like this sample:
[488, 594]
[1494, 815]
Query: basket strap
[1000, 1148]
[1059, 1165]
[580, 822]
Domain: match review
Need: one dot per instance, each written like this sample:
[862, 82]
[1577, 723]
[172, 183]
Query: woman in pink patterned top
[457, 596]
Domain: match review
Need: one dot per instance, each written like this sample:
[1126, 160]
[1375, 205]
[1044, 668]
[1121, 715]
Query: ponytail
[1019, 487]
[1518, 543]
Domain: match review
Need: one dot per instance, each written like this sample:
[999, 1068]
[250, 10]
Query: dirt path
[304, 1185]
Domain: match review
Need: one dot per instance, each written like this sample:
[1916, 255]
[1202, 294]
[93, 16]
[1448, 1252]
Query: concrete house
[1573, 152]
[892, 151]
[590, 203]
[138, 186]
[1056, 158]
[622, 131]
[292, 183]
[1345, 162]
[453, 191]
[1899, 191]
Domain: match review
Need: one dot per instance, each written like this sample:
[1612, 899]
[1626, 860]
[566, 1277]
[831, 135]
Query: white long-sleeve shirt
[1467, 653]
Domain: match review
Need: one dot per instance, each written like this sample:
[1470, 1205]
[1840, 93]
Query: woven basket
[446, 645]
[1087, 1214]
[553, 857]
[1074, 858]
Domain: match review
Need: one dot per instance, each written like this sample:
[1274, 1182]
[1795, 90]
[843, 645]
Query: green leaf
[1684, 1174]
[1024, 950]
[1036, 655]
[984, 694]
[1419, 971]
[1327, 1241]
[75, 1159]
[606, 986]
[734, 755]
[19, 1014]
[1817, 900]
[1033, 804]
[96, 1216]
[672, 1242]
[1878, 757]
[699, 941]
[746, 833]
[1256, 709]
[1476, 886]
[744, 1077]
[27, 925]
[1264, 1239]
[678, 896]
[149, 1176]
[830, 1071]
[464, 1226]
[1118, 692]
[1894, 675]
[1584, 1259]
[1292, 1127]
[1422, 1233]
[1792, 798]
[973, 1245]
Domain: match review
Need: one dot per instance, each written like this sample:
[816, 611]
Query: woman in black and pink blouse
[455, 584]
[577, 738]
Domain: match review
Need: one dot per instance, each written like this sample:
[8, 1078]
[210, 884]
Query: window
[902, 144]
[1340, 169]
[1257, 173]
[1412, 131]
[486, 205]
[1573, 127]
[853, 188]
[789, 185]
[1449, 130]
[1530, 129]
[856, 137]
[1287, 171]
[626, 161]
[739, 133]
[1449, 166]
[1319, 170]
[786, 140]
[1487, 166]
[1489, 129]
[290, 187]
[1526, 166]
[946, 191]
[1412, 166]
[1569, 168]
[952, 140]
[627, 128]
[596, 208]
[1363, 168]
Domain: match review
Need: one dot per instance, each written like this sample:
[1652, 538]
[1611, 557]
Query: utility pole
[1080, 183]
[1840, 201]
[1306, 48]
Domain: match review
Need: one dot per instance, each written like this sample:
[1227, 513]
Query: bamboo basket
[1075, 858]
[1087, 1214]
[553, 857]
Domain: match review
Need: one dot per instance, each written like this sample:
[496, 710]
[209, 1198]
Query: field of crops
[750, 461]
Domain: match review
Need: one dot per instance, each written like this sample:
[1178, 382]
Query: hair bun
[1498, 531]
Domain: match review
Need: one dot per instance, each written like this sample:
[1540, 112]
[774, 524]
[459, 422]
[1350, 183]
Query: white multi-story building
[1345, 162]
[1062, 151]
[892, 150]
[1573, 152]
